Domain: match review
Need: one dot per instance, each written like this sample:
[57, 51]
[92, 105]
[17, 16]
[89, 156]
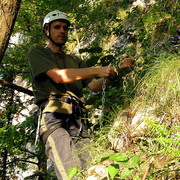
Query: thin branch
[30, 152]
[16, 87]
[22, 160]
[148, 169]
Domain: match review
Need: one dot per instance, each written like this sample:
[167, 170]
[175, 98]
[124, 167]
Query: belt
[66, 99]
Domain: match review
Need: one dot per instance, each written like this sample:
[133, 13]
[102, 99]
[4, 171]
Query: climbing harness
[38, 127]
[35, 117]
[36, 123]
[77, 112]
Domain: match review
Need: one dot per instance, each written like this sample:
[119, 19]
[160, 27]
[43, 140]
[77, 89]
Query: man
[58, 80]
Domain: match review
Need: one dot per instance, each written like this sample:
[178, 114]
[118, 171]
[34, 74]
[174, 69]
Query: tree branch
[30, 152]
[16, 87]
[22, 160]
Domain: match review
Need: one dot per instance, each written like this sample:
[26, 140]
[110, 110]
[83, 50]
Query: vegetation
[159, 97]
[103, 32]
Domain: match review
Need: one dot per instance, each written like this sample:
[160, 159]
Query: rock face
[96, 172]
[143, 3]
[132, 123]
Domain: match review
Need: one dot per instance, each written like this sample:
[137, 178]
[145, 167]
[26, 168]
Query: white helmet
[55, 15]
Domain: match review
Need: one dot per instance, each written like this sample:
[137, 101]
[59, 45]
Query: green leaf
[119, 157]
[125, 163]
[106, 156]
[113, 170]
[91, 50]
[92, 61]
[95, 50]
[125, 173]
[83, 50]
[106, 60]
[135, 160]
[72, 172]
[3, 130]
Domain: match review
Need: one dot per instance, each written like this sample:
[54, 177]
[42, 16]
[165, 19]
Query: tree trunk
[8, 13]
[5, 157]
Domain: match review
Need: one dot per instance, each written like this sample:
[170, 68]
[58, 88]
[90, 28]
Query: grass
[160, 89]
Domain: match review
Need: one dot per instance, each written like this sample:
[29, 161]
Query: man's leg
[82, 142]
[59, 146]
[83, 146]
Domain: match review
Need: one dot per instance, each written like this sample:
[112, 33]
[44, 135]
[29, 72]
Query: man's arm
[73, 75]
[96, 84]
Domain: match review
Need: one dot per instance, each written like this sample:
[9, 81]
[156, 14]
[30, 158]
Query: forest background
[103, 32]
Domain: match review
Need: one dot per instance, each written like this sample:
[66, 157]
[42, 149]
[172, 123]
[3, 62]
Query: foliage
[164, 87]
[72, 172]
[130, 164]
[160, 89]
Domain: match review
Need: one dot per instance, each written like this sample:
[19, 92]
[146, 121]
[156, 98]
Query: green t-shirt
[42, 59]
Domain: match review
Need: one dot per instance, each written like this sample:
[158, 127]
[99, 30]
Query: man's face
[59, 32]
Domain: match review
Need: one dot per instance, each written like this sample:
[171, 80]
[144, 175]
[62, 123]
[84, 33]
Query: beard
[59, 44]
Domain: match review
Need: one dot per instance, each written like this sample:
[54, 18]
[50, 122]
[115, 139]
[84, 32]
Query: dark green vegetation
[103, 32]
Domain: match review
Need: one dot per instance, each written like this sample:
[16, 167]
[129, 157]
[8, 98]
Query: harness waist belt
[67, 99]
[61, 98]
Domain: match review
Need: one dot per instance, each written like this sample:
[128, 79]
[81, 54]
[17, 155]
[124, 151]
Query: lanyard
[64, 59]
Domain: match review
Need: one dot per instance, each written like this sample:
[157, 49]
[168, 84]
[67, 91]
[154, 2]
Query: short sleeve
[39, 60]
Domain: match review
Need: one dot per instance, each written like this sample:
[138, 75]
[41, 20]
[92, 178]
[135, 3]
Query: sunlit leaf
[72, 172]
[125, 173]
[119, 157]
[135, 160]
[113, 170]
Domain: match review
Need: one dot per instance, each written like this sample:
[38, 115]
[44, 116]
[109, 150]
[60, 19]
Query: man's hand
[126, 63]
[105, 71]
[110, 73]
